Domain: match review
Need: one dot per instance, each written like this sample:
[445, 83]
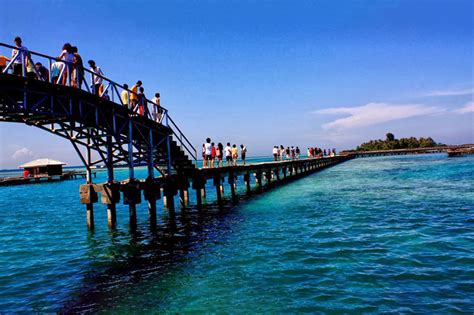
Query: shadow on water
[150, 252]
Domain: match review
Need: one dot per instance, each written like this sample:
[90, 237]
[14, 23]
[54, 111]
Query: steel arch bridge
[119, 134]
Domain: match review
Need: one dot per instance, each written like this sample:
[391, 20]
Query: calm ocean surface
[373, 235]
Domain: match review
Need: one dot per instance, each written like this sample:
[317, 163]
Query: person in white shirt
[96, 81]
[208, 151]
[22, 51]
[67, 56]
[243, 153]
[275, 153]
[228, 154]
[156, 110]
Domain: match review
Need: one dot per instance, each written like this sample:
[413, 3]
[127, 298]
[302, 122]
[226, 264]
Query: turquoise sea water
[373, 235]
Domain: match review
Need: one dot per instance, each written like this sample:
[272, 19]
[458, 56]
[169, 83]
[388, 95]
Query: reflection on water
[148, 253]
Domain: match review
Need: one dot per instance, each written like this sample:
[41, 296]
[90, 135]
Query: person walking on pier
[156, 111]
[213, 154]
[282, 152]
[20, 51]
[243, 153]
[235, 155]
[287, 153]
[142, 108]
[228, 154]
[219, 152]
[96, 80]
[297, 153]
[125, 95]
[208, 151]
[134, 95]
[68, 57]
[275, 153]
[204, 162]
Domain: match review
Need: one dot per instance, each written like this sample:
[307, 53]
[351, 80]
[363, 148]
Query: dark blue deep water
[373, 235]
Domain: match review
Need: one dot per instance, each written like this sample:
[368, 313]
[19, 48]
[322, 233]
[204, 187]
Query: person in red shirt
[213, 154]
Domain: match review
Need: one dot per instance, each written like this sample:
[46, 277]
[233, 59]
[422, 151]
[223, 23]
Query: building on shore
[42, 168]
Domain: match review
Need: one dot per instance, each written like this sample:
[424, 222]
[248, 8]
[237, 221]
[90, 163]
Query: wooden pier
[20, 180]
[465, 148]
[257, 177]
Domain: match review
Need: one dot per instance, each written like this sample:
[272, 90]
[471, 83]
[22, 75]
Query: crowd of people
[212, 154]
[280, 153]
[68, 69]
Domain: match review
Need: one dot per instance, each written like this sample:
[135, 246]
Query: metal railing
[61, 72]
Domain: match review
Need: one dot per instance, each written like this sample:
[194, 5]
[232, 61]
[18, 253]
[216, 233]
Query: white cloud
[468, 108]
[374, 113]
[23, 152]
[453, 92]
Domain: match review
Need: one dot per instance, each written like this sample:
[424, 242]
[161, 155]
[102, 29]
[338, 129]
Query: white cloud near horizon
[452, 92]
[22, 152]
[374, 113]
[467, 108]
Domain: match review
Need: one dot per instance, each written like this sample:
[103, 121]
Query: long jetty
[258, 177]
[437, 149]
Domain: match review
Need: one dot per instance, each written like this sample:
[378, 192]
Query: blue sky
[321, 73]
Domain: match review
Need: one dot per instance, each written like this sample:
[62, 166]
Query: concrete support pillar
[232, 182]
[169, 191]
[218, 184]
[268, 177]
[247, 182]
[88, 196]
[132, 197]
[276, 171]
[110, 195]
[132, 209]
[152, 193]
[258, 180]
[199, 198]
[112, 216]
[90, 215]
[198, 185]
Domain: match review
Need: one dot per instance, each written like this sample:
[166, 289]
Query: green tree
[390, 137]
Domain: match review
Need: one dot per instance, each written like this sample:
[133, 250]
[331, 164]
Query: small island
[390, 143]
